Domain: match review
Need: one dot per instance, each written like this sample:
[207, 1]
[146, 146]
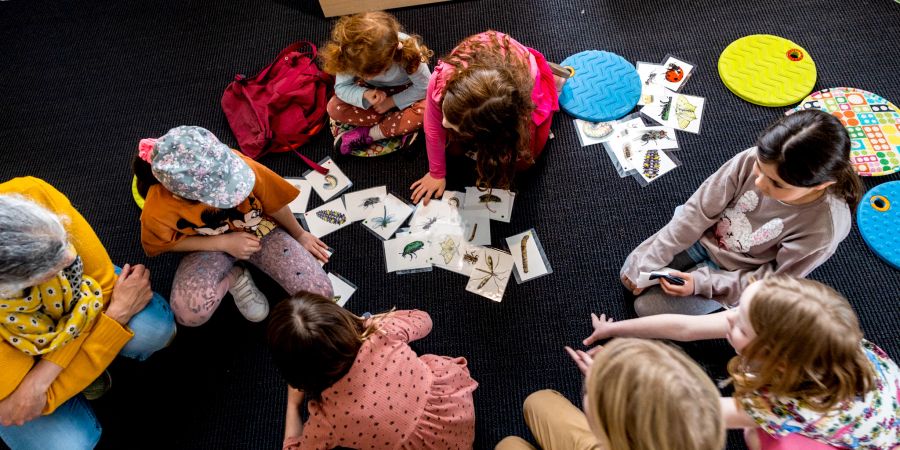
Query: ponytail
[411, 53]
[849, 187]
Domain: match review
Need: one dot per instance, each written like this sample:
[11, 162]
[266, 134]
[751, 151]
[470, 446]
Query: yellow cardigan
[85, 358]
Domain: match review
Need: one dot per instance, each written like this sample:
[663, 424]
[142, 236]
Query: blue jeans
[73, 425]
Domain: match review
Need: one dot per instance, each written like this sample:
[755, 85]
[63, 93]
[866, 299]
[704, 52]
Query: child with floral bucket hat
[220, 207]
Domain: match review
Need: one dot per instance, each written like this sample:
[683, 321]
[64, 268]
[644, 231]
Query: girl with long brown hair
[381, 76]
[494, 97]
[804, 376]
[781, 207]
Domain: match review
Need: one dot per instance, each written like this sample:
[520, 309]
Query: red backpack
[282, 107]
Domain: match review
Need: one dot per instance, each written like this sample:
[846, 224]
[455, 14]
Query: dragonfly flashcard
[386, 219]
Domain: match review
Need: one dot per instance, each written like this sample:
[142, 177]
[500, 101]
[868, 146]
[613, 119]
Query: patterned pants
[392, 123]
[202, 278]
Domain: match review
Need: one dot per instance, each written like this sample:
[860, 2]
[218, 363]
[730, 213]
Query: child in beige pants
[679, 405]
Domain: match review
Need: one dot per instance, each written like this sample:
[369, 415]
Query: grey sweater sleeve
[346, 89]
[416, 92]
[700, 212]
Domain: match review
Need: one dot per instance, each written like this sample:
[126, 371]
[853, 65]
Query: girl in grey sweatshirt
[780, 207]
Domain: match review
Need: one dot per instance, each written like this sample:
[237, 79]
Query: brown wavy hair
[488, 98]
[807, 346]
[647, 395]
[366, 45]
[314, 342]
[812, 147]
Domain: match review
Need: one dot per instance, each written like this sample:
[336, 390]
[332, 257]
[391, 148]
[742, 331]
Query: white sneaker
[249, 300]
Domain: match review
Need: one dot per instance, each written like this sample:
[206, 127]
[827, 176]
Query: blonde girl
[803, 371]
[638, 394]
[381, 77]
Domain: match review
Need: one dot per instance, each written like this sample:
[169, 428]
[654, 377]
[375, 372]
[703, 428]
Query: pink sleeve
[315, 434]
[435, 134]
[408, 325]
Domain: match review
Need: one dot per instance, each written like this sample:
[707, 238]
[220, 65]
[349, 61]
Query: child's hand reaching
[583, 359]
[374, 96]
[678, 291]
[240, 245]
[295, 396]
[602, 329]
[385, 105]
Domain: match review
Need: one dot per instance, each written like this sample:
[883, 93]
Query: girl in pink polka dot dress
[367, 388]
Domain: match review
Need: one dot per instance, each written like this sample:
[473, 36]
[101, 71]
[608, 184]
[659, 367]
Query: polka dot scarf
[51, 314]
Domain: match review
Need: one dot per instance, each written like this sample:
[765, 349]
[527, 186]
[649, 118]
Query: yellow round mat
[767, 70]
[134, 193]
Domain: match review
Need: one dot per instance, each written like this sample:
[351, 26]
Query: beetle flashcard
[407, 253]
[674, 73]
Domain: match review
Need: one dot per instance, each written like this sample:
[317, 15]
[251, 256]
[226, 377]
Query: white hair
[33, 241]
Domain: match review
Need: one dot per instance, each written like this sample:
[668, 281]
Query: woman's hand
[631, 286]
[675, 290]
[23, 405]
[602, 329]
[130, 295]
[385, 105]
[374, 96]
[239, 244]
[426, 187]
[314, 245]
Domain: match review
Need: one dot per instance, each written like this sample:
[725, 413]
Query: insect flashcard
[361, 204]
[331, 184]
[490, 274]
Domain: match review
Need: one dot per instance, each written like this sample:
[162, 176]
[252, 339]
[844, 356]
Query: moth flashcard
[299, 204]
[528, 255]
[454, 199]
[497, 202]
[361, 204]
[653, 138]
[490, 274]
[675, 72]
[407, 253]
[388, 216]
[476, 226]
[448, 252]
[342, 289]
[329, 185]
[326, 219]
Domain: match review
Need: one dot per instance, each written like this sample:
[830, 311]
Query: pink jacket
[543, 95]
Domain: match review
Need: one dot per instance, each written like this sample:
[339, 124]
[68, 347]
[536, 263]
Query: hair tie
[145, 147]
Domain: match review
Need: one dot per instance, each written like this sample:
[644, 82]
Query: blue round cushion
[605, 86]
[878, 217]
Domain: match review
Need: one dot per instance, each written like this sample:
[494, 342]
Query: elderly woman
[65, 314]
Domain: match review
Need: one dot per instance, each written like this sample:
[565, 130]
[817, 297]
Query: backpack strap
[295, 47]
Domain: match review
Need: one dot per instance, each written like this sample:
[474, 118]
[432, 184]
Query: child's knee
[537, 401]
[187, 311]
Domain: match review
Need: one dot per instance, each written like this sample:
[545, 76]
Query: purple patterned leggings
[203, 278]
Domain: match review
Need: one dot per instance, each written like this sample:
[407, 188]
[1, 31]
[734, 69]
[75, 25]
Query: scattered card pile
[646, 152]
[450, 233]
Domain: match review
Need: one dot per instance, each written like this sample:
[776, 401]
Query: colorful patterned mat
[872, 122]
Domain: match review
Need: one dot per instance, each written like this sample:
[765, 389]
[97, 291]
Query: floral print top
[866, 422]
